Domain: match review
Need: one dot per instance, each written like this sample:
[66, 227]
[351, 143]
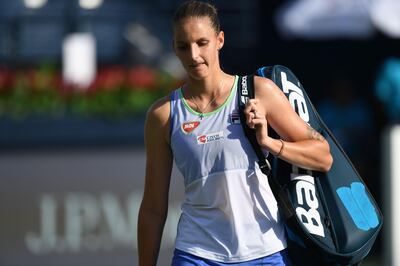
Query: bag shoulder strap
[246, 92]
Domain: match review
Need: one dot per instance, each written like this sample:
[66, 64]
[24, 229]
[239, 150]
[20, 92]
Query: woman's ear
[220, 40]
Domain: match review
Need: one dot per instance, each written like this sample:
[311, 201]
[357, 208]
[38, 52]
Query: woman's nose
[194, 51]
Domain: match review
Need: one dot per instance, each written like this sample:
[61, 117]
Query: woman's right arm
[154, 206]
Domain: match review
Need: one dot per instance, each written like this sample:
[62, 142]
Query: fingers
[250, 116]
[251, 106]
[257, 122]
[253, 115]
[253, 118]
[250, 110]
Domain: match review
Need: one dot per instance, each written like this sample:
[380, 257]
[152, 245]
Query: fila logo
[190, 126]
[207, 138]
[296, 97]
[306, 196]
[244, 86]
[234, 118]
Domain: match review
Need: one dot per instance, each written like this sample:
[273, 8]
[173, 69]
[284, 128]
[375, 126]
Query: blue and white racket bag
[331, 218]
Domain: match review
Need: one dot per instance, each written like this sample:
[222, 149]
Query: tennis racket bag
[331, 218]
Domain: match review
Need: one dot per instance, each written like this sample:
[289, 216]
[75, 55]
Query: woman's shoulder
[159, 112]
[263, 82]
[265, 87]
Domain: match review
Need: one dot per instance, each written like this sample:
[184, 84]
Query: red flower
[6, 79]
[108, 79]
[142, 78]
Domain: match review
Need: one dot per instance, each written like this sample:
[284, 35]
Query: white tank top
[229, 213]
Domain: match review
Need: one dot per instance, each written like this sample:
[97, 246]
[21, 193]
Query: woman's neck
[208, 87]
[208, 94]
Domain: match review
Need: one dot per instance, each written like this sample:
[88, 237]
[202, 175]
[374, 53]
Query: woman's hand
[256, 119]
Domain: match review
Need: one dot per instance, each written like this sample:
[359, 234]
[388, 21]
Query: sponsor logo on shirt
[188, 127]
[234, 118]
[212, 137]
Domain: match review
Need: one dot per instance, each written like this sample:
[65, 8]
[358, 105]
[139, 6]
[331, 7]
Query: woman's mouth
[196, 65]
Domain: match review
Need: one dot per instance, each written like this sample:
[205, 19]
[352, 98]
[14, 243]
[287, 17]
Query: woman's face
[196, 44]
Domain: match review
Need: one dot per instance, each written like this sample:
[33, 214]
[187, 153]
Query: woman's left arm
[300, 144]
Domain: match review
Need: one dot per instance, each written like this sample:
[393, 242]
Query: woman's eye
[203, 43]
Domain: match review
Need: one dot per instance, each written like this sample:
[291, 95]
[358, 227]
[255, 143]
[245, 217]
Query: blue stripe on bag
[359, 206]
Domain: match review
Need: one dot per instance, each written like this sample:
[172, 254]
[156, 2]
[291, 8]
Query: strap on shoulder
[246, 92]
